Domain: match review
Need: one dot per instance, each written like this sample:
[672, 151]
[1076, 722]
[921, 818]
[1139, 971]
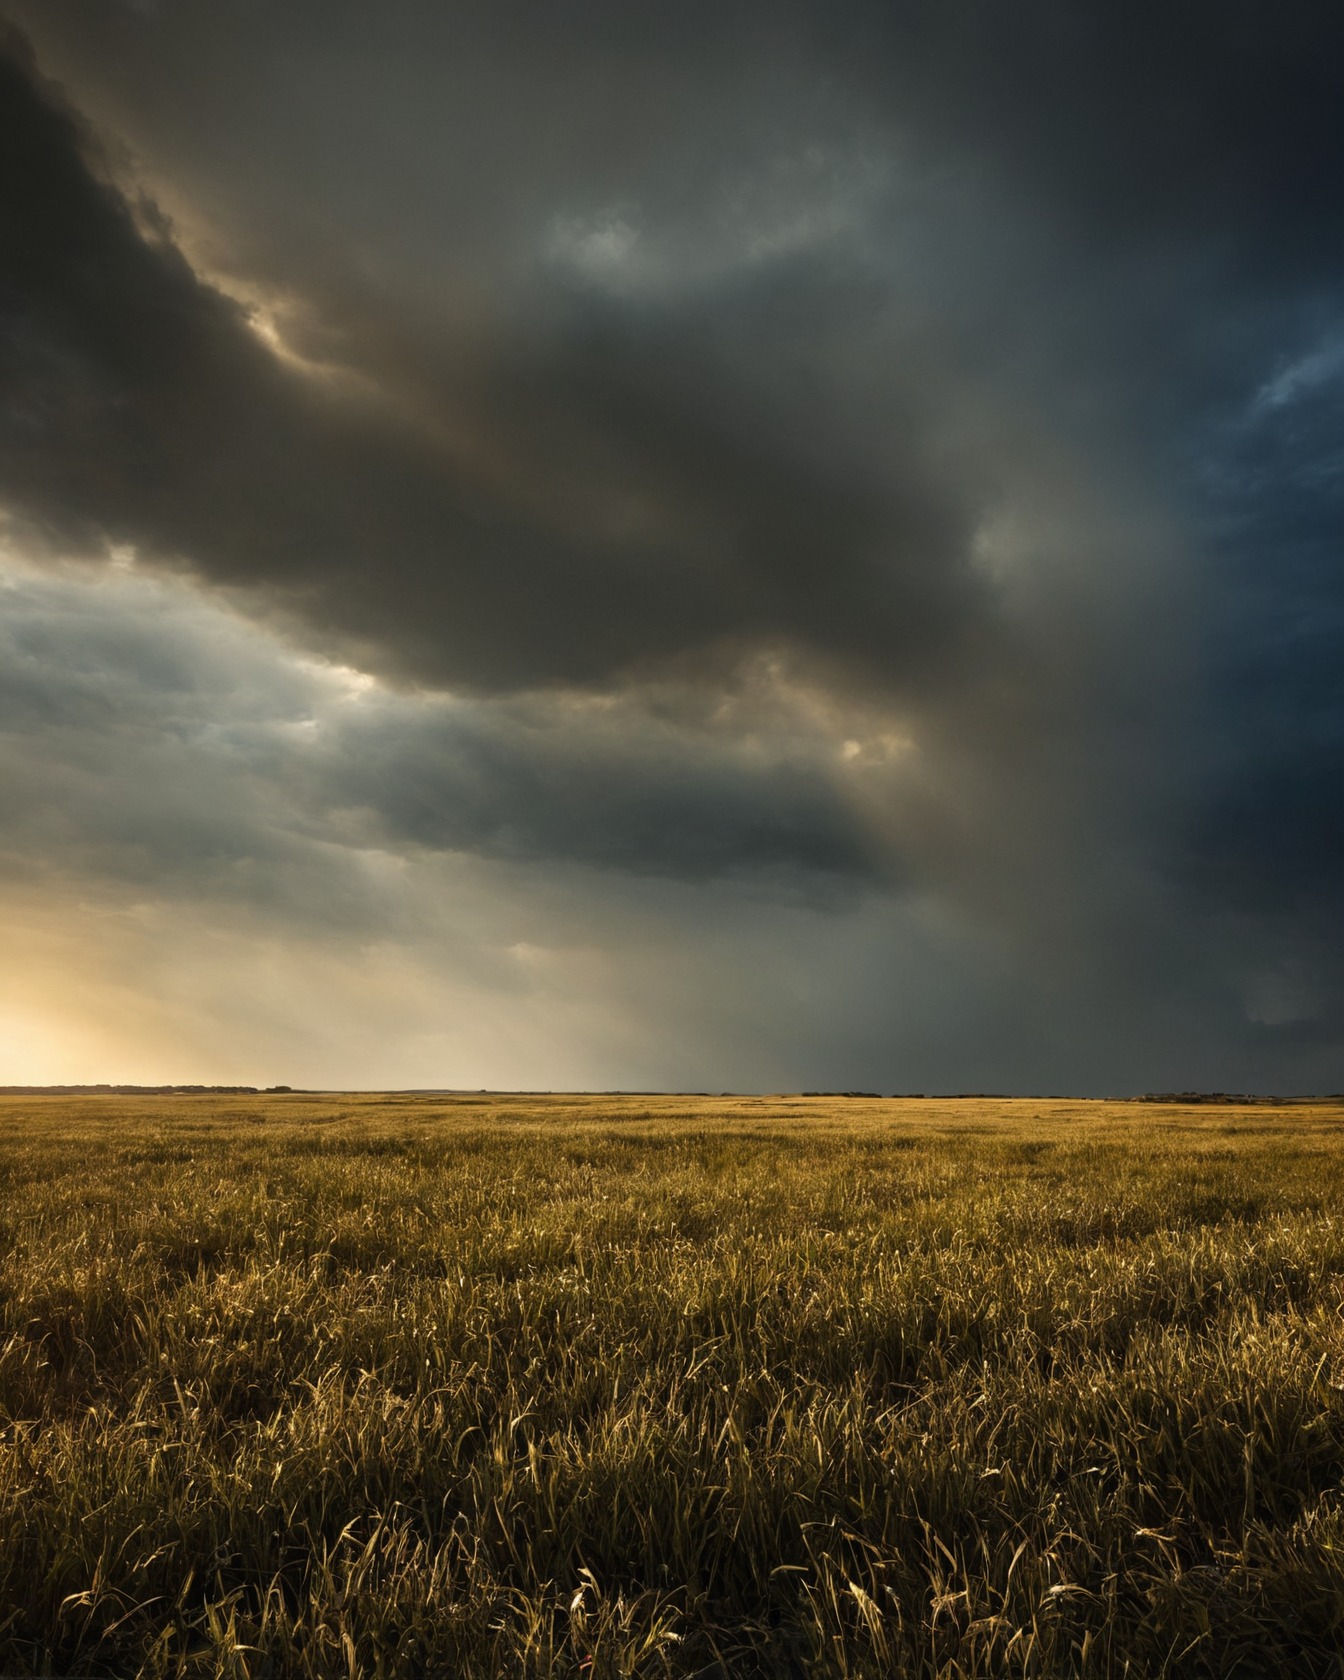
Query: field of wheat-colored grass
[594, 1387]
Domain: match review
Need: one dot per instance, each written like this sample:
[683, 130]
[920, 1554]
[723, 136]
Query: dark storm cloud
[144, 409]
[152, 740]
[605, 476]
[615, 475]
[1272, 833]
[644, 799]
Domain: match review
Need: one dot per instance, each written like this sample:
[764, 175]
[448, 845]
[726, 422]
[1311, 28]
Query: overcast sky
[714, 546]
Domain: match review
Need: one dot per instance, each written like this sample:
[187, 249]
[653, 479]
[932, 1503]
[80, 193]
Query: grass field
[394, 1386]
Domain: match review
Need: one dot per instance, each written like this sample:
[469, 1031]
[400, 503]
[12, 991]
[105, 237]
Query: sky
[745, 546]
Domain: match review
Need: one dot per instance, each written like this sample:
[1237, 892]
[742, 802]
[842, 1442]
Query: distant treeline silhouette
[139, 1090]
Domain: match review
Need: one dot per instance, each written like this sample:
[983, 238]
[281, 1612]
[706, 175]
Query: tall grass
[659, 1387]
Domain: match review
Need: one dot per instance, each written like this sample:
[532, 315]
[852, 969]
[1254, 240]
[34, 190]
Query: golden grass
[394, 1386]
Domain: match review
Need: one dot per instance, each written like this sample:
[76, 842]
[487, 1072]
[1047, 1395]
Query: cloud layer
[746, 491]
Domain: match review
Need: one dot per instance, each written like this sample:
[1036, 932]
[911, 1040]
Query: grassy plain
[596, 1387]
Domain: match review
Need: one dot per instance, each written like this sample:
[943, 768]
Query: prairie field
[591, 1387]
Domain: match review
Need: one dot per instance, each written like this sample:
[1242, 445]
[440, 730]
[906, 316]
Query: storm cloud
[559, 517]
[862, 476]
